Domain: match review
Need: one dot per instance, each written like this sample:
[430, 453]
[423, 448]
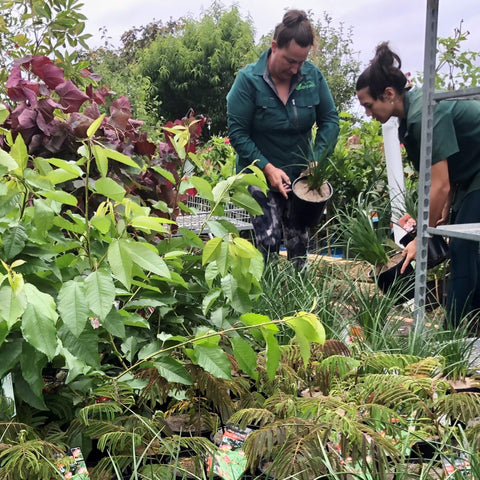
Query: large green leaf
[238, 297]
[100, 291]
[147, 223]
[253, 319]
[244, 248]
[172, 370]
[245, 356]
[19, 152]
[114, 322]
[25, 392]
[213, 360]
[9, 355]
[202, 186]
[120, 262]
[110, 188]
[272, 353]
[14, 240]
[85, 347]
[43, 215]
[211, 250]
[120, 157]
[101, 159]
[95, 125]
[72, 305]
[39, 321]
[12, 305]
[60, 196]
[32, 363]
[209, 299]
[246, 201]
[146, 257]
[6, 160]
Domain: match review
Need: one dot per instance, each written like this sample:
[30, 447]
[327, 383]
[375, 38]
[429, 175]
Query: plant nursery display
[135, 347]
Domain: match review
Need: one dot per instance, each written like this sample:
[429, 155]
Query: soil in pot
[309, 204]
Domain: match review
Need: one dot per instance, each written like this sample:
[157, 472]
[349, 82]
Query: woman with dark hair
[455, 172]
[271, 109]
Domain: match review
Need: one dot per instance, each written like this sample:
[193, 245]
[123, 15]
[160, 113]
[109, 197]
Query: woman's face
[380, 109]
[287, 61]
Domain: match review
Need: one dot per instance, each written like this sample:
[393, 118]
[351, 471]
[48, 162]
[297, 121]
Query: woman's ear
[389, 94]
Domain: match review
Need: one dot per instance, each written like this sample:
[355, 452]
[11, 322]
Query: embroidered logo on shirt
[305, 85]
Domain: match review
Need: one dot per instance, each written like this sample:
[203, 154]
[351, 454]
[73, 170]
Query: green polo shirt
[456, 137]
[261, 127]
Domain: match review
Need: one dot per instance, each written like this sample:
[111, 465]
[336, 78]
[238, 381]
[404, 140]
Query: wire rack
[239, 217]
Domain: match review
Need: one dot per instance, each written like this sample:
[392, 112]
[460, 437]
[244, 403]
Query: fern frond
[215, 390]
[282, 405]
[387, 362]
[463, 406]
[99, 411]
[106, 466]
[54, 434]
[9, 431]
[157, 389]
[426, 367]
[120, 392]
[200, 445]
[30, 459]
[97, 428]
[119, 441]
[252, 416]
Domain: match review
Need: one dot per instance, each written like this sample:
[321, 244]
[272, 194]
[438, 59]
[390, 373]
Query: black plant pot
[305, 212]
[437, 249]
[404, 282]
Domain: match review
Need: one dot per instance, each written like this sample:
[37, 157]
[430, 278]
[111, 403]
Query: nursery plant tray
[239, 217]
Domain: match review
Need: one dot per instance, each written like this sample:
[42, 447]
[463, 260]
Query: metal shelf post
[466, 231]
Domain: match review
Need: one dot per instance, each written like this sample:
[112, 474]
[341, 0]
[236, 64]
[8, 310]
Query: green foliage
[334, 55]
[357, 163]
[195, 68]
[360, 237]
[42, 27]
[456, 68]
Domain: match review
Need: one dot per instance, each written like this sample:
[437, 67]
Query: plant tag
[460, 464]
[7, 403]
[230, 461]
[72, 465]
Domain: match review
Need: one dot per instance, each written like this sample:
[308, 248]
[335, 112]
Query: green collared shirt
[456, 137]
[262, 128]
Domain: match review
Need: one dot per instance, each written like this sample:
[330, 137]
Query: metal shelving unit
[466, 231]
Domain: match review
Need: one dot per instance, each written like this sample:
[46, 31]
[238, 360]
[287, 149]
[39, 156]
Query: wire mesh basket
[239, 217]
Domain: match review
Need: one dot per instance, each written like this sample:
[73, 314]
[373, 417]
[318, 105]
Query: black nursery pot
[438, 250]
[307, 213]
[405, 282]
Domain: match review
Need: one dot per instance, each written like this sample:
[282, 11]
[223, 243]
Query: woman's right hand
[277, 179]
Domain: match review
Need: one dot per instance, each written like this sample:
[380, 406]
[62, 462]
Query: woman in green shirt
[455, 172]
[271, 109]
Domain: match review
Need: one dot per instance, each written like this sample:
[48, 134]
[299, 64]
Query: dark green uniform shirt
[456, 137]
[261, 127]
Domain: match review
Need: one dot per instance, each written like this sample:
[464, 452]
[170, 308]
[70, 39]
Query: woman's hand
[277, 179]
[409, 253]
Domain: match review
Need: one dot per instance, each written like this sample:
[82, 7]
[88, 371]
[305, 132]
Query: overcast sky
[400, 22]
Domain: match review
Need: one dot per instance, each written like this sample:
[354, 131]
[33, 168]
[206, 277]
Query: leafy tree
[195, 67]
[335, 57]
[41, 27]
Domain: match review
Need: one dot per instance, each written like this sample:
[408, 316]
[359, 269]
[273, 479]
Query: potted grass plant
[312, 190]
[365, 234]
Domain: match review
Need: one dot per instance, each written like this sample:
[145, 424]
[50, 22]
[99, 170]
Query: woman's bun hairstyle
[296, 26]
[383, 71]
